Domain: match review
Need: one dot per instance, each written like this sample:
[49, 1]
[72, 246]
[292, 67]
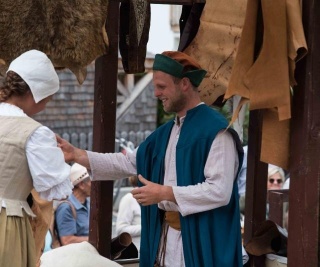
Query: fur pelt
[71, 33]
[135, 18]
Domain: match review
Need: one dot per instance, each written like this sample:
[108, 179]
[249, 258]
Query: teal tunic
[210, 238]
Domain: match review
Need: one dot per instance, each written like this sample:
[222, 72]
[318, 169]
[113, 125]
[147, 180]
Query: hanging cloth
[265, 82]
[134, 34]
[189, 23]
[215, 44]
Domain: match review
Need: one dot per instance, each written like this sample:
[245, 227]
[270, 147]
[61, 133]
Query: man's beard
[176, 105]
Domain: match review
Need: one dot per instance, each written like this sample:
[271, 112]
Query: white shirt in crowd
[129, 218]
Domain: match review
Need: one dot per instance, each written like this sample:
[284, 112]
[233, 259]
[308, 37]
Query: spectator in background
[276, 177]
[275, 180]
[129, 215]
[73, 227]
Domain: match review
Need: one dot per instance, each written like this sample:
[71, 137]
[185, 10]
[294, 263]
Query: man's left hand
[152, 193]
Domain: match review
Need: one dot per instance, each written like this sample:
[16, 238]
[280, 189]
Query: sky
[160, 34]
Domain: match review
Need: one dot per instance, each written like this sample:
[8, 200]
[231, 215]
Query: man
[187, 170]
[72, 216]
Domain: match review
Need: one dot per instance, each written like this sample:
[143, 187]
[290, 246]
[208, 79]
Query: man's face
[86, 186]
[169, 92]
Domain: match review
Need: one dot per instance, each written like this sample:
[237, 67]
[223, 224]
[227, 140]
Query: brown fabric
[275, 132]
[265, 82]
[17, 246]
[215, 44]
[245, 54]
[119, 244]
[134, 34]
[269, 238]
[297, 46]
[40, 225]
[183, 59]
[173, 219]
[267, 79]
[71, 34]
[189, 23]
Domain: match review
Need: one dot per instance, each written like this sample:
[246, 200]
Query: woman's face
[275, 181]
[35, 108]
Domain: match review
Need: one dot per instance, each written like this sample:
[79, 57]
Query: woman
[276, 177]
[29, 156]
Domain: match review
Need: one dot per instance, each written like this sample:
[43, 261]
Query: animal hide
[216, 43]
[71, 33]
[134, 34]
[265, 81]
[40, 225]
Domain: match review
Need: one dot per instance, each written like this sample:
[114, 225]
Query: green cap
[171, 66]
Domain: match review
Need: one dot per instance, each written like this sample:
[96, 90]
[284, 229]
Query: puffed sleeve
[48, 169]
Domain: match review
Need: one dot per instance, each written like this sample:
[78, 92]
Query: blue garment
[67, 224]
[211, 238]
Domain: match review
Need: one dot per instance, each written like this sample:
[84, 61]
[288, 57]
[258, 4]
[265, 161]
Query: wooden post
[256, 183]
[304, 194]
[104, 122]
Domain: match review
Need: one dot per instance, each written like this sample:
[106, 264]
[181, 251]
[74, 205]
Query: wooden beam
[256, 183]
[105, 104]
[257, 171]
[176, 2]
[276, 200]
[303, 246]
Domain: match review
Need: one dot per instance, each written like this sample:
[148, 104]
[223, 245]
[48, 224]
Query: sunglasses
[272, 180]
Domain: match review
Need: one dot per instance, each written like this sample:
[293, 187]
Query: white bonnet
[36, 69]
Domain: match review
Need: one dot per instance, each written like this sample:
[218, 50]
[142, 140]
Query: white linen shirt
[48, 169]
[220, 171]
[129, 218]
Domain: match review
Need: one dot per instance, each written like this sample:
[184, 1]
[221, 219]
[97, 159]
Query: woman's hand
[67, 149]
[72, 153]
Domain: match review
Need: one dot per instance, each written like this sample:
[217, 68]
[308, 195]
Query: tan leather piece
[275, 139]
[266, 80]
[173, 219]
[215, 44]
[40, 225]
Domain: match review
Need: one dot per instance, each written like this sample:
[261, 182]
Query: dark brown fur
[69, 32]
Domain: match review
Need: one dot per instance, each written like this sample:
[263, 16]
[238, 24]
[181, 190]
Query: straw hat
[78, 174]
